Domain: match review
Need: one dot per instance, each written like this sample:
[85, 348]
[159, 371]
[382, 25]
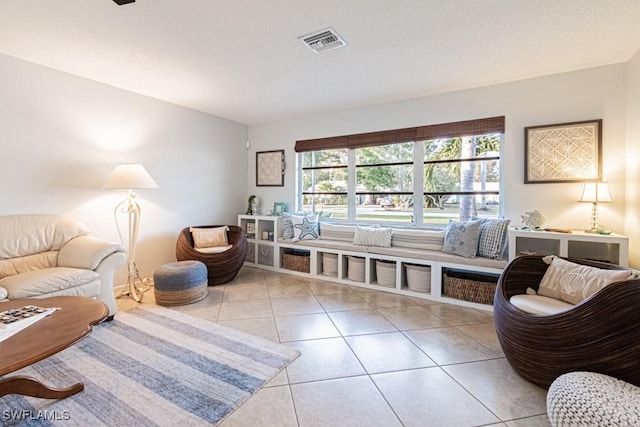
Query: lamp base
[136, 286]
[592, 231]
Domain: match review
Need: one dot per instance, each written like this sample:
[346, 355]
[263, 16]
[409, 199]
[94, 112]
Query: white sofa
[49, 255]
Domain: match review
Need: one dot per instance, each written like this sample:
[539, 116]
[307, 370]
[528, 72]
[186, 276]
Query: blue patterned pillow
[287, 226]
[493, 237]
[305, 227]
[461, 238]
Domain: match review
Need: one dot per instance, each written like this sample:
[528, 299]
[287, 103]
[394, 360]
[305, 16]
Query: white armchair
[49, 255]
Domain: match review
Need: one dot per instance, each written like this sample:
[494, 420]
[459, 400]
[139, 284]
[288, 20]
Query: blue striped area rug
[150, 366]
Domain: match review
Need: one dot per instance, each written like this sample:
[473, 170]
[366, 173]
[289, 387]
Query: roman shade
[421, 133]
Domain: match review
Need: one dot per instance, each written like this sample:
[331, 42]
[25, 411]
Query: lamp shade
[596, 192]
[129, 176]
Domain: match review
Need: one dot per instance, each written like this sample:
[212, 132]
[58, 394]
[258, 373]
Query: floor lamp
[131, 176]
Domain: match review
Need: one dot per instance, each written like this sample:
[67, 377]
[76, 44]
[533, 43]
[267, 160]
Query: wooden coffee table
[45, 338]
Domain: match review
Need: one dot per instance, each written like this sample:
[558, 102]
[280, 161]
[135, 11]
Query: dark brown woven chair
[601, 334]
[222, 267]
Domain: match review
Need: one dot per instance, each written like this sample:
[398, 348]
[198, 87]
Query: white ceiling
[242, 60]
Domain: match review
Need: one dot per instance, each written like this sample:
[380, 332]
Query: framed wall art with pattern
[270, 168]
[565, 152]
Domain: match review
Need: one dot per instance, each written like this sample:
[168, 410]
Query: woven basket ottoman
[590, 399]
[180, 283]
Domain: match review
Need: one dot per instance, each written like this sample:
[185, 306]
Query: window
[424, 176]
[461, 179]
[324, 182]
[384, 183]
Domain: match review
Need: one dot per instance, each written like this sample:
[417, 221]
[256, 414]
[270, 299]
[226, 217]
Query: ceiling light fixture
[323, 40]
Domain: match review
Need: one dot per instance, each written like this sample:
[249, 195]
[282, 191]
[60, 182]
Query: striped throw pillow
[373, 236]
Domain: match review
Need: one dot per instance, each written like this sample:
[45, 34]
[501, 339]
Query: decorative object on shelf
[251, 230]
[596, 192]
[130, 176]
[250, 205]
[255, 206]
[534, 219]
[565, 152]
[279, 208]
[270, 168]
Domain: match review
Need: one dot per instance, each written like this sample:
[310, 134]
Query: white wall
[584, 95]
[62, 135]
[633, 157]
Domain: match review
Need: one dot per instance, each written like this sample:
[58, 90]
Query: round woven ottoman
[590, 399]
[180, 283]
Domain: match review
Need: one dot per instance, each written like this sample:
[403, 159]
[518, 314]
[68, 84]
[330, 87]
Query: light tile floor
[369, 358]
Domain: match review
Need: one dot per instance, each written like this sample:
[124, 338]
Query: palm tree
[441, 177]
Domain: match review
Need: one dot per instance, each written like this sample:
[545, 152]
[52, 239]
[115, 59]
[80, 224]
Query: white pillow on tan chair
[573, 283]
[209, 237]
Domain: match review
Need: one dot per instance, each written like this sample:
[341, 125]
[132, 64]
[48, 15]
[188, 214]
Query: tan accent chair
[49, 255]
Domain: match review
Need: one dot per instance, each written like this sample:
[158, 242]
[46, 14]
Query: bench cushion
[417, 239]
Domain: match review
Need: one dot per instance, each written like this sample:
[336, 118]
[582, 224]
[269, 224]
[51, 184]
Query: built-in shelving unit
[269, 254]
[613, 248]
[262, 248]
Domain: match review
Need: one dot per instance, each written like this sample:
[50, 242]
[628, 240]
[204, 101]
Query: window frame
[418, 135]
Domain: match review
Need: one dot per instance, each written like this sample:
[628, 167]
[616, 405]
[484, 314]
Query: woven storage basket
[386, 273]
[329, 264]
[294, 262]
[265, 255]
[469, 289]
[419, 277]
[356, 269]
[251, 253]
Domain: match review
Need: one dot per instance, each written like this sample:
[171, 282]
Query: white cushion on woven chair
[214, 249]
[538, 304]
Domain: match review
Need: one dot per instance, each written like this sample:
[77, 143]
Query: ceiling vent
[323, 40]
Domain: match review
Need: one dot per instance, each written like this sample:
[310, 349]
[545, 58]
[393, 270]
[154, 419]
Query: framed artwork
[270, 168]
[565, 152]
[279, 208]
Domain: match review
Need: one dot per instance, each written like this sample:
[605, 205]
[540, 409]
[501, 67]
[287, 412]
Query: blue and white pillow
[461, 238]
[287, 226]
[305, 227]
[493, 237]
